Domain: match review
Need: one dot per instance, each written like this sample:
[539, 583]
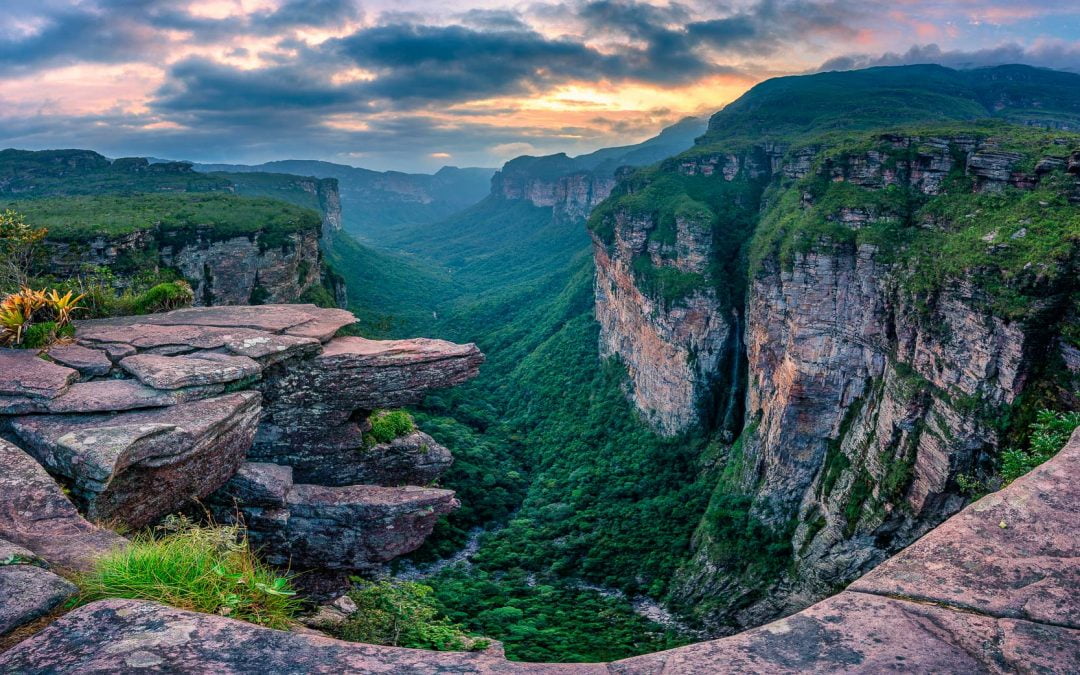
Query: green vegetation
[175, 217]
[51, 173]
[545, 620]
[163, 297]
[1049, 433]
[386, 425]
[402, 614]
[199, 568]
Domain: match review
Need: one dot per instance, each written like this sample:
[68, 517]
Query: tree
[19, 249]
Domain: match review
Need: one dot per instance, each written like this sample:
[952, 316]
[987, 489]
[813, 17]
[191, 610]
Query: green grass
[176, 217]
[386, 425]
[202, 569]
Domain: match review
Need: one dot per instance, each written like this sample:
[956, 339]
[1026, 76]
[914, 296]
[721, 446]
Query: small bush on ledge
[403, 614]
[200, 568]
[386, 425]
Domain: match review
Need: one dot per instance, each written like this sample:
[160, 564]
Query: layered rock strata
[989, 591]
[864, 400]
[351, 527]
[157, 411]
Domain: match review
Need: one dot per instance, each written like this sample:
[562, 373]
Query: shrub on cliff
[1049, 434]
[163, 298]
[199, 568]
[386, 425]
[403, 614]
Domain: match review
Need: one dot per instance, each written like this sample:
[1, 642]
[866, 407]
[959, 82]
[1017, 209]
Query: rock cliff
[989, 591]
[142, 415]
[864, 323]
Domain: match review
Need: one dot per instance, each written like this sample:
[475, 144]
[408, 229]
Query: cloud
[1057, 55]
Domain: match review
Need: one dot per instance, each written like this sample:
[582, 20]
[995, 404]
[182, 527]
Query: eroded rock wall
[863, 401]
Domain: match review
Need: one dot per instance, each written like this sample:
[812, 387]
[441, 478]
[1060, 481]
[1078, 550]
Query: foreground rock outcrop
[990, 591]
[154, 412]
[36, 515]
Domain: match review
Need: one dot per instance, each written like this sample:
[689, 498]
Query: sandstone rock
[854, 632]
[23, 374]
[415, 459]
[354, 527]
[28, 592]
[174, 372]
[119, 635]
[172, 340]
[119, 395]
[35, 514]
[360, 526]
[138, 466]
[260, 485]
[89, 362]
[352, 374]
[1029, 569]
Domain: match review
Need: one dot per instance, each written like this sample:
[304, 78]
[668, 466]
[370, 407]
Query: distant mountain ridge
[377, 202]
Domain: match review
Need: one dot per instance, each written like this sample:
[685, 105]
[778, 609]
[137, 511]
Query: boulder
[28, 592]
[35, 515]
[353, 527]
[138, 466]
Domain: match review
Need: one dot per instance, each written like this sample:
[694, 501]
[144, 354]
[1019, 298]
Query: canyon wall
[869, 392]
[571, 192]
[232, 271]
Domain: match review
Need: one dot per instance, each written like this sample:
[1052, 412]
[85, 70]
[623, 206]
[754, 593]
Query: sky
[412, 86]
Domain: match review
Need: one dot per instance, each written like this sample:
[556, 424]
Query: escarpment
[887, 311]
[260, 412]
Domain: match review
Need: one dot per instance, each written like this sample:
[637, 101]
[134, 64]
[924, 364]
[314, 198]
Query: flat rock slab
[107, 396]
[855, 632]
[1014, 553]
[28, 592]
[112, 636]
[269, 318]
[24, 374]
[171, 340]
[324, 326]
[35, 515]
[89, 362]
[174, 372]
[140, 465]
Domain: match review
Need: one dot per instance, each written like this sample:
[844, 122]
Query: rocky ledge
[992, 590]
[142, 415]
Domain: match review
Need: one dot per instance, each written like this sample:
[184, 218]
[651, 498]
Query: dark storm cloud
[114, 31]
[198, 84]
[1059, 56]
[64, 35]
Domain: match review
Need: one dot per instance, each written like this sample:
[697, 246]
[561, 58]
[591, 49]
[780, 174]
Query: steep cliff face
[231, 271]
[541, 182]
[903, 316]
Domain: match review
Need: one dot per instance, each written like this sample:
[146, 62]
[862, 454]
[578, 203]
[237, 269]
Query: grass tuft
[199, 568]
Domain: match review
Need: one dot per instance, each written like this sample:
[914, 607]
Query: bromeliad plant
[30, 318]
